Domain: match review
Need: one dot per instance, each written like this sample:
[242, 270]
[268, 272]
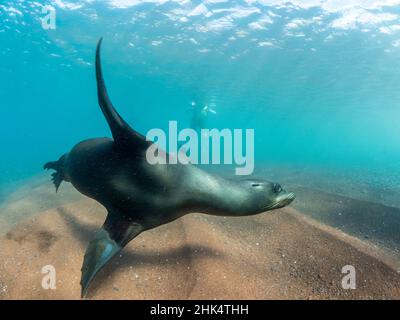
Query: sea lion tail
[58, 176]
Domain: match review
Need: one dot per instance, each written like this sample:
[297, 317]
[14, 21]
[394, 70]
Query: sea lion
[139, 196]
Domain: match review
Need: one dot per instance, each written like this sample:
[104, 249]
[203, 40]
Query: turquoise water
[317, 80]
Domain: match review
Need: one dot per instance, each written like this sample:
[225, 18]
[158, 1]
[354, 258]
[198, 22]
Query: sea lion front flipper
[123, 134]
[109, 240]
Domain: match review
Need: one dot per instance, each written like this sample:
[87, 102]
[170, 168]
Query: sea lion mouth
[281, 201]
[288, 199]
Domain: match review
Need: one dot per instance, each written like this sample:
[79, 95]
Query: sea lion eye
[255, 184]
[277, 187]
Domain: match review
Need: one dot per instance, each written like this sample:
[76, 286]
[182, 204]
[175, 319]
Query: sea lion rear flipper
[57, 177]
[122, 133]
[58, 166]
[109, 240]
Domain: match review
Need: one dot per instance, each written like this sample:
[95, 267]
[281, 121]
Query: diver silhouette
[200, 114]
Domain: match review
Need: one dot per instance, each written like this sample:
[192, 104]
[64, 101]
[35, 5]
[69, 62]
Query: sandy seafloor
[293, 253]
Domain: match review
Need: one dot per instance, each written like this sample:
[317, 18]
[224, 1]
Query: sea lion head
[264, 195]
